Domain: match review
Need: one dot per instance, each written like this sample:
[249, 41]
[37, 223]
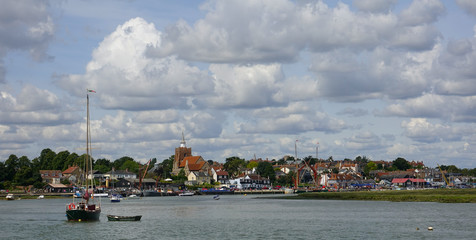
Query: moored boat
[216, 197]
[10, 197]
[184, 194]
[123, 218]
[116, 198]
[85, 209]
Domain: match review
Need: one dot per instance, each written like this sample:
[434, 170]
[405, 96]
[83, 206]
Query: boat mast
[87, 142]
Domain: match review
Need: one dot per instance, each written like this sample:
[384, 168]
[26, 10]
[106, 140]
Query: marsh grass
[429, 195]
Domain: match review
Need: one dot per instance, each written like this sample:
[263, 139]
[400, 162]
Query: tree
[103, 165]
[59, 160]
[286, 180]
[3, 173]
[310, 160]
[181, 175]
[46, 159]
[72, 160]
[401, 164]
[11, 166]
[252, 164]
[369, 167]
[265, 169]
[153, 161]
[131, 166]
[281, 161]
[164, 168]
[233, 165]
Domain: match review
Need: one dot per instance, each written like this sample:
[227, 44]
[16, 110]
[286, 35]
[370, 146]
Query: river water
[241, 217]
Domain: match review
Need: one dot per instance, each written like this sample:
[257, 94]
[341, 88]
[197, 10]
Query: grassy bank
[430, 195]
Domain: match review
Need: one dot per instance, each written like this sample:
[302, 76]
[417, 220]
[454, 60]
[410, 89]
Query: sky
[253, 79]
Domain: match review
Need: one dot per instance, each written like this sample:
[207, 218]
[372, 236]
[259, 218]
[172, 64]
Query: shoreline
[429, 195]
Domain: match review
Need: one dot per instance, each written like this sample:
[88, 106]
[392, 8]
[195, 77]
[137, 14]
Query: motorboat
[116, 198]
[10, 197]
[182, 194]
[123, 218]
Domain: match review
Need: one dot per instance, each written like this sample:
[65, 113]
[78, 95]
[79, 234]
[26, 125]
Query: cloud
[240, 86]
[346, 76]
[353, 112]
[362, 141]
[422, 12]
[34, 106]
[468, 5]
[374, 6]
[277, 31]
[454, 69]
[236, 32]
[25, 26]
[420, 130]
[295, 118]
[125, 78]
[429, 105]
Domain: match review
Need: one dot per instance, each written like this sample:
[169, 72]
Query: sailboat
[86, 209]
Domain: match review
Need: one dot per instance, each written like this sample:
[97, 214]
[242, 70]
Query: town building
[73, 174]
[118, 174]
[195, 168]
[51, 176]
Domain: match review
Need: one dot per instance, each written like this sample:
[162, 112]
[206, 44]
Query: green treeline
[22, 171]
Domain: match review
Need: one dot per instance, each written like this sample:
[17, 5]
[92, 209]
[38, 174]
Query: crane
[142, 178]
[444, 177]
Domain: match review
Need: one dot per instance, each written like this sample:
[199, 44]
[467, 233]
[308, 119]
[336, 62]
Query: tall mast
[88, 142]
[295, 150]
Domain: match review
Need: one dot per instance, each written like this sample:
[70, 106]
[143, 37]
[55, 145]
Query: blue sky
[382, 79]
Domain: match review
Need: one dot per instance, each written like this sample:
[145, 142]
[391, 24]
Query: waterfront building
[118, 174]
[190, 164]
[73, 173]
[51, 176]
[197, 178]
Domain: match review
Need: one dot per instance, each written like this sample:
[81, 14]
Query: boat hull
[83, 215]
[158, 194]
[123, 218]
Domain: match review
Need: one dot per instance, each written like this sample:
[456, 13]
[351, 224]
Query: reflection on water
[241, 217]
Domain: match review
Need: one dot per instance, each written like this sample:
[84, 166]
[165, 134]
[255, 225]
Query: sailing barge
[86, 209]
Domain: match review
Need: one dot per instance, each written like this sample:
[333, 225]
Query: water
[241, 217]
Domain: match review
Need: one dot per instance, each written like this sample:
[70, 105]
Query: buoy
[417, 229]
[79, 220]
[430, 228]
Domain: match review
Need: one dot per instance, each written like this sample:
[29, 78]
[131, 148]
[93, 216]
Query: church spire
[182, 143]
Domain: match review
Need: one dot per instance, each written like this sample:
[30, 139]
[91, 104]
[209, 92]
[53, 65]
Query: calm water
[241, 217]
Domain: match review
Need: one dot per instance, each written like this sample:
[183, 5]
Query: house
[117, 174]
[127, 183]
[288, 168]
[96, 174]
[409, 182]
[73, 174]
[222, 177]
[341, 180]
[395, 174]
[252, 181]
[58, 188]
[195, 164]
[197, 178]
[51, 176]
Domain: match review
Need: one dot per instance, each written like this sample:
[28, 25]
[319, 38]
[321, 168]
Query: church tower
[180, 153]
